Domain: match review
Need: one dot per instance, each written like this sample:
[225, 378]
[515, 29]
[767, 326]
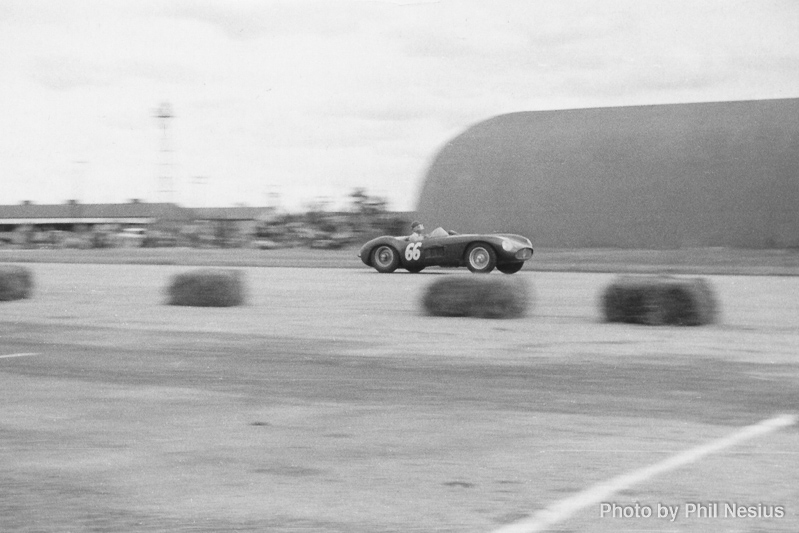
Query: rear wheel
[385, 259]
[480, 258]
[510, 268]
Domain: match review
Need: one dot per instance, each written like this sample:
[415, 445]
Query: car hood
[517, 239]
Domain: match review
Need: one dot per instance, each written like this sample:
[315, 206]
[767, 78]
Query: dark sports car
[479, 253]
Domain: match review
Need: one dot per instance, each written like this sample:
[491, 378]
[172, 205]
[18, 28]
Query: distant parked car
[132, 237]
[266, 244]
[480, 253]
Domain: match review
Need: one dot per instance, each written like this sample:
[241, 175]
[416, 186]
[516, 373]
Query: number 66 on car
[413, 252]
[480, 253]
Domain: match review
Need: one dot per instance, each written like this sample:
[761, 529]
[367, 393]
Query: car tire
[510, 268]
[385, 259]
[480, 258]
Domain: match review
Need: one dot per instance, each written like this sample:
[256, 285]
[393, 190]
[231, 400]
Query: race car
[480, 253]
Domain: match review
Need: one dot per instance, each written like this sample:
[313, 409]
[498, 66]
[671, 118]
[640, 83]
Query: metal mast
[166, 187]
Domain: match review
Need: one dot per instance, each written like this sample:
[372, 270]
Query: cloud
[63, 73]
[167, 72]
[251, 19]
[66, 73]
[245, 22]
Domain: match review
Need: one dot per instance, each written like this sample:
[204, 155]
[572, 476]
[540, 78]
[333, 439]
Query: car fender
[365, 253]
[485, 240]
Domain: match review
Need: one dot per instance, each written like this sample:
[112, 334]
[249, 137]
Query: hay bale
[659, 300]
[207, 288]
[476, 296]
[16, 283]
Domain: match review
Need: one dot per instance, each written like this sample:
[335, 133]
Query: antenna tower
[166, 188]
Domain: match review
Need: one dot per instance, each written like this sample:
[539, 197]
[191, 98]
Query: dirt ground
[331, 403]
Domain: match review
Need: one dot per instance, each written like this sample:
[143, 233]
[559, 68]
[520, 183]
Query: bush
[659, 300]
[207, 288]
[476, 296]
[16, 283]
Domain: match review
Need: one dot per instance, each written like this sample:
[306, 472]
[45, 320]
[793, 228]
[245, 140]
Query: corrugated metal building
[660, 176]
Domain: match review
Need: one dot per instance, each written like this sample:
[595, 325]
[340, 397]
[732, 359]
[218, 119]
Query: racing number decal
[412, 252]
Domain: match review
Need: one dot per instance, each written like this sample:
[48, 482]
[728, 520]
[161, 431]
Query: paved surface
[329, 403]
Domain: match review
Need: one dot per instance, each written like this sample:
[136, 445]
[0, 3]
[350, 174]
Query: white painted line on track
[562, 510]
[17, 355]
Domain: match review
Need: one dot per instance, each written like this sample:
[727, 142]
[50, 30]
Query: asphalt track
[331, 403]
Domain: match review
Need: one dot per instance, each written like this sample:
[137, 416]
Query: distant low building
[240, 214]
[225, 226]
[73, 216]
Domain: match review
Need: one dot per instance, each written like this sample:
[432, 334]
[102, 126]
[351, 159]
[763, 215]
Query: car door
[427, 252]
[434, 250]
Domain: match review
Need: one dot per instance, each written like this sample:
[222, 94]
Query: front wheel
[510, 268]
[385, 259]
[480, 258]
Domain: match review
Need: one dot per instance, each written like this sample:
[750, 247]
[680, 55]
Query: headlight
[507, 245]
[524, 254]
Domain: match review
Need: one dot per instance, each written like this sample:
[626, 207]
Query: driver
[417, 234]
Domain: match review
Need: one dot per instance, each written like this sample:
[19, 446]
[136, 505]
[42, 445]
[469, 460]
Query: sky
[293, 103]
